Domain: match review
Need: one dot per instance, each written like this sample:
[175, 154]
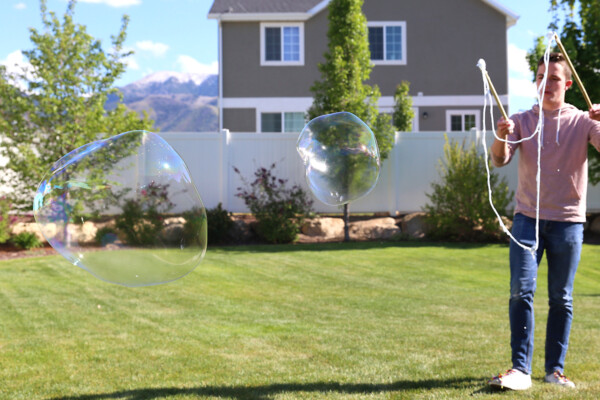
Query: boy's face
[556, 84]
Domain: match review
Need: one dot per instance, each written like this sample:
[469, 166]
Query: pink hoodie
[563, 178]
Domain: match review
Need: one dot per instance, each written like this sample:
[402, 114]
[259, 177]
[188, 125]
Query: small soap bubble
[125, 209]
[340, 156]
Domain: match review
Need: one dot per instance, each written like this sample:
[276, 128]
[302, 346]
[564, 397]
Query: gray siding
[239, 119]
[243, 76]
[445, 39]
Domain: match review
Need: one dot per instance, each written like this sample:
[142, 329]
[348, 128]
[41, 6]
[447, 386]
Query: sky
[176, 35]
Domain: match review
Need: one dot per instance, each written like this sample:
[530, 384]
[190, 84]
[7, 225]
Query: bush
[279, 211]
[5, 220]
[193, 232]
[26, 240]
[106, 235]
[459, 206]
[219, 226]
[141, 220]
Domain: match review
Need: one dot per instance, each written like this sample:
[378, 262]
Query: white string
[538, 131]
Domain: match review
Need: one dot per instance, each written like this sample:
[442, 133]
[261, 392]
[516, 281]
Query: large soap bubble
[341, 157]
[124, 209]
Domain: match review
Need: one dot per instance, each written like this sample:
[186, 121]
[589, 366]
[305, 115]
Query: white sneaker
[513, 379]
[559, 379]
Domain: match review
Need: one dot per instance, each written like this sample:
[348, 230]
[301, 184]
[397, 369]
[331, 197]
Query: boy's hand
[506, 128]
[595, 112]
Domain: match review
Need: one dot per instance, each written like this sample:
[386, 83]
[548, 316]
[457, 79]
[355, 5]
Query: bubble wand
[577, 79]
[482, 67]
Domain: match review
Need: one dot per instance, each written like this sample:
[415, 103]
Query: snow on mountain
[165, 76]
[176, 101]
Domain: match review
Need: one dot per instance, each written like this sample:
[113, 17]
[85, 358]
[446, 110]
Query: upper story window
[462, 120]
[387, 42]
[281, 44]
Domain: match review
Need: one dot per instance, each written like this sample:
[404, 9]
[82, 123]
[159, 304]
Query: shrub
[193, 232]
[5, 220]
[219, 226]
[459, 208]
[141, 220]
[26, 240]
[106, 235]
[279, 211]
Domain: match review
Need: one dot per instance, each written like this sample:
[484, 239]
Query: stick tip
[481, 64]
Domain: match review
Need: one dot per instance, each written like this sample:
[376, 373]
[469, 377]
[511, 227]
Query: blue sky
[175, 35]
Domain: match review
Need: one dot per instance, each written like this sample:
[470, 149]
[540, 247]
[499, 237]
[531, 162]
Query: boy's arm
[500, 150]
[594, 114]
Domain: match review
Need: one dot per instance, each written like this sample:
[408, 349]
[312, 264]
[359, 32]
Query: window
[462, 120]
[387, 42]
[282, 122]
[282, 44]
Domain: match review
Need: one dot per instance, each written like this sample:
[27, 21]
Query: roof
[262, 6]
[264, 10]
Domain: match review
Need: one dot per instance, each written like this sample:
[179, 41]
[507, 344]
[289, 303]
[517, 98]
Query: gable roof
[299, 10]
[262, 6]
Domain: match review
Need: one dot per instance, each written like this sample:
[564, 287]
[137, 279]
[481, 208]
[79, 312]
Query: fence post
[224, 168]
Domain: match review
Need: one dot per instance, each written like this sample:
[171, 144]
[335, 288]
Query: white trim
[415, 121]
[511, 17]
[319, 7]
[247, 17]
[384, 24]
[462, 113]
[443, 101]
[281, 63]
[304, 103]
[270, 103]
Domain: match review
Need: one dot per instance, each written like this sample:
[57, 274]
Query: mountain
[177, 102]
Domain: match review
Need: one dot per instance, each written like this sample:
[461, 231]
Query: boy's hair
[558, 58]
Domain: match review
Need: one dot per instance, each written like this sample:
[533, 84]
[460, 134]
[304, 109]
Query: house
[269, 51]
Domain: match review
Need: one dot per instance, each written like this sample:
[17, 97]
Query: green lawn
[328, 321]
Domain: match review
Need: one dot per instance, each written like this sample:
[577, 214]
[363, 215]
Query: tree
[347, 66]
[580, 35]
[403, 112]
[57, 105]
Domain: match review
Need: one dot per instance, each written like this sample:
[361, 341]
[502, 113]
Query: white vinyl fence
[406, 175]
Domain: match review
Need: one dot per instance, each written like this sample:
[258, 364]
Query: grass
[327, 321]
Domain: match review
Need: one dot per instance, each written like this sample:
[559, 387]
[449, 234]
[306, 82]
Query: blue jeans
[562, 243]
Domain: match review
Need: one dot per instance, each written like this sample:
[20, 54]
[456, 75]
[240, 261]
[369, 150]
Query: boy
[565, 137]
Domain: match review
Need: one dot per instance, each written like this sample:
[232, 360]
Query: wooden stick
[564, 52]
[493, 90]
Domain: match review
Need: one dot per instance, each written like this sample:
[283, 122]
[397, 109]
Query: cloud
[20, 6]
[521, 87]
[132, 63]
[114, 3]
[16, 65]
[157, 49]
[191, 65]
[520, 84]
[517, 62]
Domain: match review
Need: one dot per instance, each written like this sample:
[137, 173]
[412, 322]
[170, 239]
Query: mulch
[9, 252]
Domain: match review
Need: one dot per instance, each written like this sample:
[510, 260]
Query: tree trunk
[346, 223]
